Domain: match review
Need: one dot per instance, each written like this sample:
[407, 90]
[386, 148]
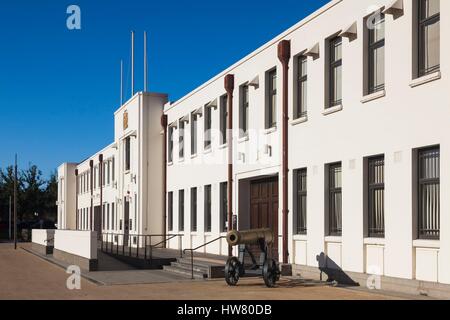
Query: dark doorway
[264, 208]
[126, 221]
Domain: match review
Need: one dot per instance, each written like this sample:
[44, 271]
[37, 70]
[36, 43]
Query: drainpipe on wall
[164, 123]
[76, 199]
[100, 159]
[91, 165]
[284, 54]
[229, 87]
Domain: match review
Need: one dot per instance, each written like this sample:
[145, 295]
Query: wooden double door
[264, 208]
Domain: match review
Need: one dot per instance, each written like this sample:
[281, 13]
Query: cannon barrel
[249, 237]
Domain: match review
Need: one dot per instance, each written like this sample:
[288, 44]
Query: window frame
[181, 210]
[169, 211]
[207, 128]
[127, 154]
[194, 206]
[372, 46]
[424, 182]
[372, 230]
[181, 135]
[332, 65]
[244, 109]
[207, 208]
[224, 206]
[223, 119]
[170, 145]
[271, 100]
[422, 23]
[301, 227]
[331, 193]
[194, 132]
[300, 109]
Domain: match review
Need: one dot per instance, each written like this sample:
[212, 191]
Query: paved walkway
[26, 276]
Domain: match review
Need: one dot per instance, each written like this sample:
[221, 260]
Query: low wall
[42, 241]
[77, 248]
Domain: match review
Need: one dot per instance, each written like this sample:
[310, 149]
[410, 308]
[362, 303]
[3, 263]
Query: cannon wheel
[271, 274]
[232, 271]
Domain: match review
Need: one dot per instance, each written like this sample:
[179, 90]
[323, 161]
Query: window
[376, 37]
[181, 210]
[170, 143]
[375, 187]
[224, 207]
[302, 86]
[181, 139]
[113, 225]
[429, 36]
[335, 199]
[207, 128]
[108, 217]
[113, 173]
[429, 193]
[335, 72]
[301, 199]
[127, 153]
[169, 211]
[207, 204]
[193, 134]
[193, 209]
[223, 119]
[244, 108]
[109, 172]
[135, 212]
[271, 105]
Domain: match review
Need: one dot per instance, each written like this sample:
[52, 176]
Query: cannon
[266, 267]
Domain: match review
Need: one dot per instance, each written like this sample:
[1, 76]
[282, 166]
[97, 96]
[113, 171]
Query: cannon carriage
[266, 267]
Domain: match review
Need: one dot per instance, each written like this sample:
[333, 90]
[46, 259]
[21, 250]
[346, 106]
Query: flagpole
[15, 204]
[10, 217]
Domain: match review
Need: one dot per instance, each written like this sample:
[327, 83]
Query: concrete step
[185, 273]
[187, 267]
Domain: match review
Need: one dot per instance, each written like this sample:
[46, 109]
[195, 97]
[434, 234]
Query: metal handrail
[147, 242]
[194, 249]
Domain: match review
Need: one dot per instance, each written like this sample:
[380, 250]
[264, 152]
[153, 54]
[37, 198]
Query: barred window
[335, 199]
[301, 205]
[429, 36]
[376, 197]
[223, 207]
[207, 203]
[169, 211]
[429, 193]
[194, 209]
[181, 210]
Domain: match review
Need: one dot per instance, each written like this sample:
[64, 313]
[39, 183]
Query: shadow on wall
[333, 272]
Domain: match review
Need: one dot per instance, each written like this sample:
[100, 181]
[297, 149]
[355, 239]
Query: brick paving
[27, 276]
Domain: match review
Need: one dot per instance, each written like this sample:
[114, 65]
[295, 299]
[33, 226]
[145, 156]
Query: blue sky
[59, 88]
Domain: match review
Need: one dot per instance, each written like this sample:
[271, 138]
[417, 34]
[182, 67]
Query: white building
[366, 95]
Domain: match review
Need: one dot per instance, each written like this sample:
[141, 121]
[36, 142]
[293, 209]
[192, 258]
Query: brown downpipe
[164, 123]
[76, 199]
[284, 54]
[91, 165]
[229, 87]
[100, 180]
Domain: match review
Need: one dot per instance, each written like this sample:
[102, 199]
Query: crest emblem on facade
[125, 120]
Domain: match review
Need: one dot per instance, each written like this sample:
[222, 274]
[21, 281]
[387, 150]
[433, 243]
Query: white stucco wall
[79, 243]
[43, 237]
